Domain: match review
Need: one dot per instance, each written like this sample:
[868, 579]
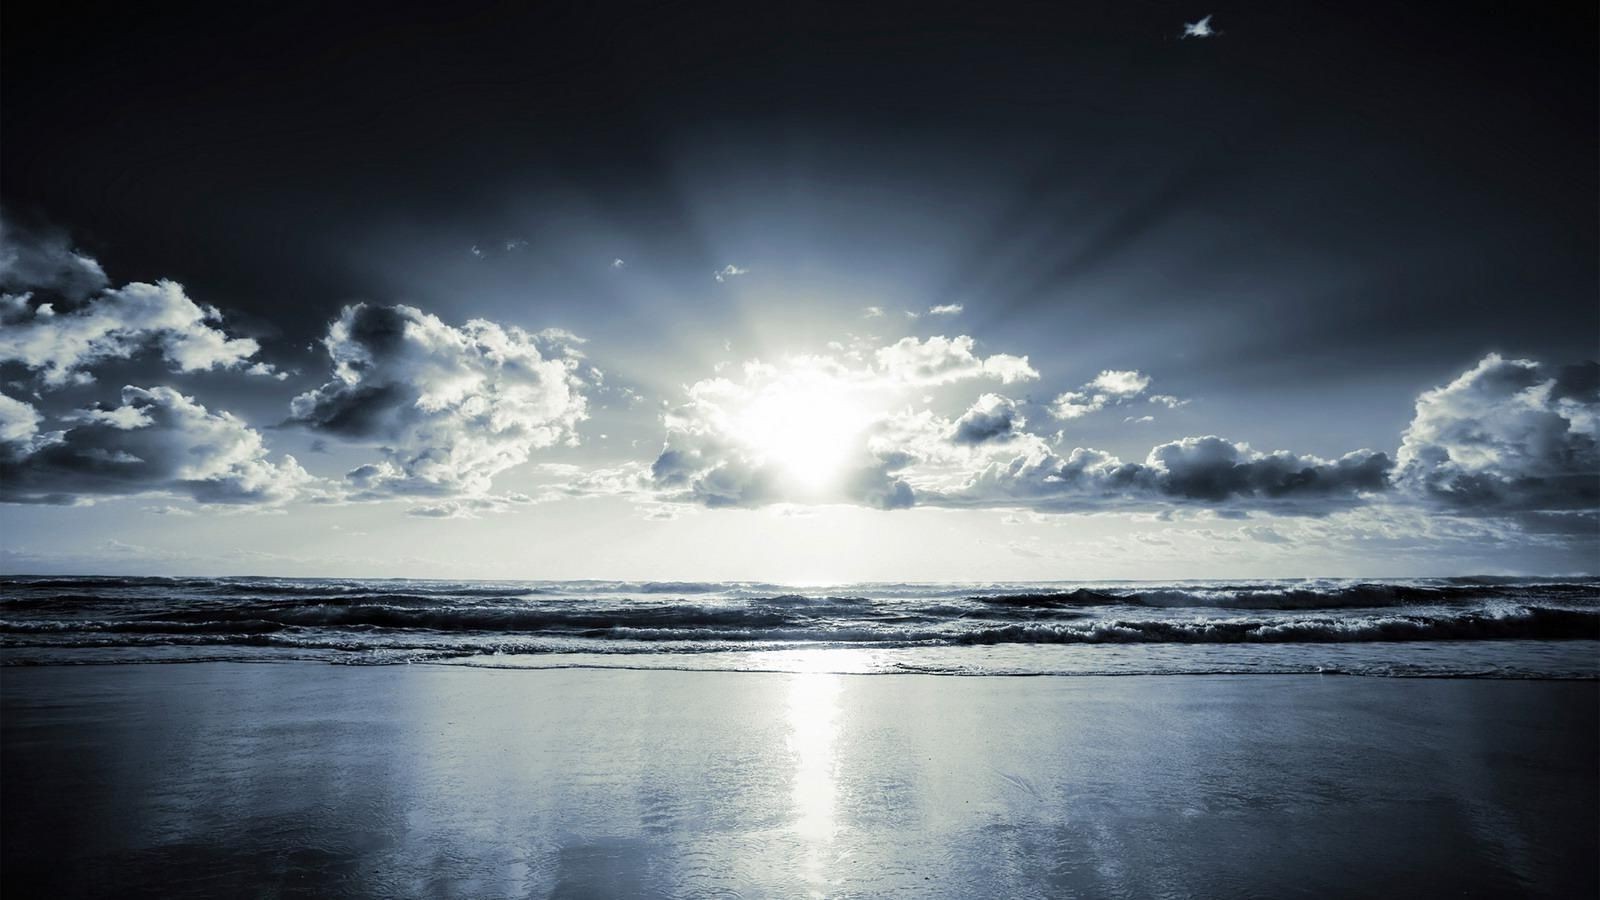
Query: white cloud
[452, 407]
[1200, 29]
[812, 429]
[828, 428]
[618, 263]
[946, 309]
[1507, 435]
[729, 271]
[157, 441]
[19, 421]
[871, 312]
[942, 360]
[1112, 387]
[116, 324]
[1122, 383]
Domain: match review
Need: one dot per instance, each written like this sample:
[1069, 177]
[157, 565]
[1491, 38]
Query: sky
[803, 293]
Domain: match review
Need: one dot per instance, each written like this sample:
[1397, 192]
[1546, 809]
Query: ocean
[1447, 627]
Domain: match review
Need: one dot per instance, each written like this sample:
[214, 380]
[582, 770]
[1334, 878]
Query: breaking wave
[382, 620]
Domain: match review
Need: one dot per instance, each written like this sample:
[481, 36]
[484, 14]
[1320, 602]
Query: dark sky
[1393, 172]
[1300, 223]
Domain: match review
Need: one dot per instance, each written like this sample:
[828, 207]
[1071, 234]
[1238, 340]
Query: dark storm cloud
[155, 440]
[453, 407]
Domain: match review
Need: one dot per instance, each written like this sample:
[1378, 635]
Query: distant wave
[678, 623]
[1349, 596]
[59, 619]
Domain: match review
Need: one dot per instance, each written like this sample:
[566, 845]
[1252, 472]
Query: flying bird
[1200, 29]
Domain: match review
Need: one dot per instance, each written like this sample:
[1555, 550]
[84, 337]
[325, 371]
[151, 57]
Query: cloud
[1123, 383]
[31, 261]
[619, 263]
[941, 360]
[61, 344]
[452, 407]
[1112, 387]
[157, 441]
[469, 507]
[19, 421]
[992, 418]
[729, 271]
[871, 312]
[821, 428]
[946, 309]
[1195, 470]
[1507, 436]
[1200, 29]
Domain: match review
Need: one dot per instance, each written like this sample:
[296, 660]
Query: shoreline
[601, 667]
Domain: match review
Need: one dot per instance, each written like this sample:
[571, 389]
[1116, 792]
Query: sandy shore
[307, 779]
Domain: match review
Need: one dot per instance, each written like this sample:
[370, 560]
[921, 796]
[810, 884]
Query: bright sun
[808, 431]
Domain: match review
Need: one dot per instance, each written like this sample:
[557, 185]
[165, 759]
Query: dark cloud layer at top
[1191, 163]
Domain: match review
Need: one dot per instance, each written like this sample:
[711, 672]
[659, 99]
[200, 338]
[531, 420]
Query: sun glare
[808, 431]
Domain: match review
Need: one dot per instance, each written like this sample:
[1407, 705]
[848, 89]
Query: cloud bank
[1506, 437]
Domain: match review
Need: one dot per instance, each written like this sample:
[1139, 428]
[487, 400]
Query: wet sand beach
[303, 779]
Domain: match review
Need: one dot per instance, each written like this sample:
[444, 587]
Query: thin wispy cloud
[945, 309]
[729, 271]
[1112, 387]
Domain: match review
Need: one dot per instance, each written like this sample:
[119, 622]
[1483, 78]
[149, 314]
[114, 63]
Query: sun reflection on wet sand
[813, 730]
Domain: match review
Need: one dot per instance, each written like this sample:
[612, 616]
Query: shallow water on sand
[297, 779]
